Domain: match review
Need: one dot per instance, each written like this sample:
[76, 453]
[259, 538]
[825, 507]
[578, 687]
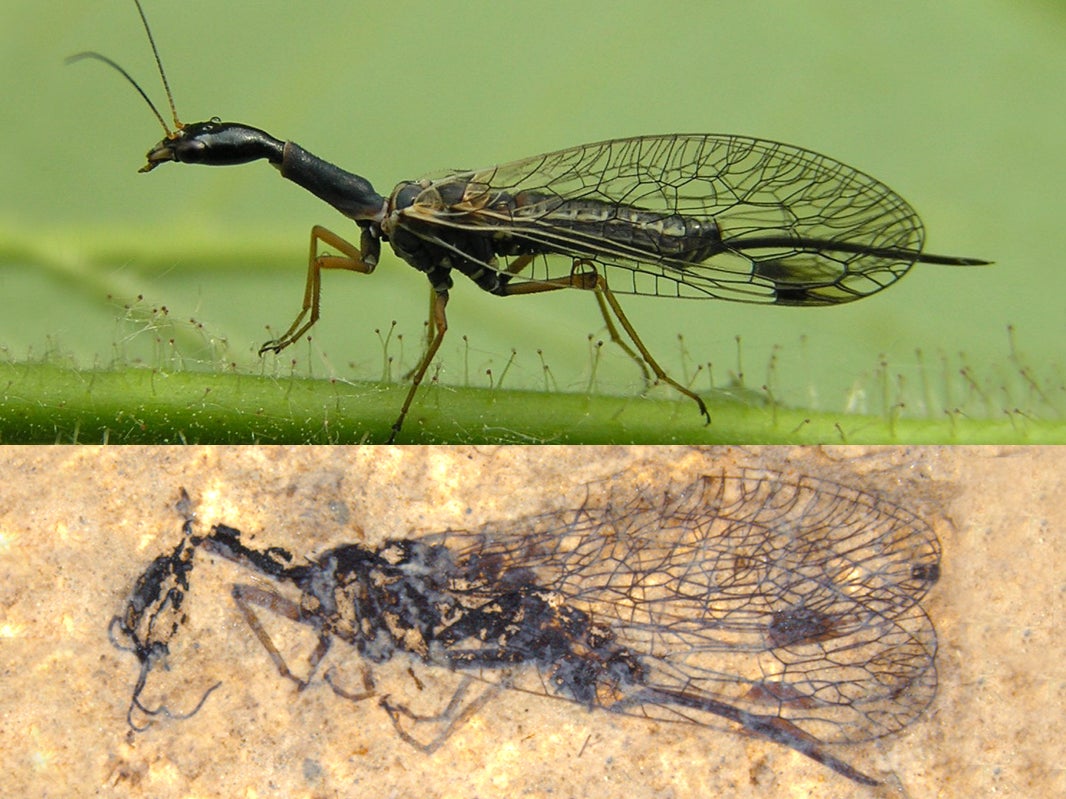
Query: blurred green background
[956, 105]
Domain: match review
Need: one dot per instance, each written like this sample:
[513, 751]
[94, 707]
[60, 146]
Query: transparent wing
[795, 599]
[702, 216]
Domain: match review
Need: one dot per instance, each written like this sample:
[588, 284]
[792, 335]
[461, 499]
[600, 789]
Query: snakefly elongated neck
[702, 216]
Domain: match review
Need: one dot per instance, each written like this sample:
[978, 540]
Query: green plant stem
[46, 403]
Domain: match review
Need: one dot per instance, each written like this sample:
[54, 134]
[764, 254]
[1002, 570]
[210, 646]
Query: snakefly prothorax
[696, 216]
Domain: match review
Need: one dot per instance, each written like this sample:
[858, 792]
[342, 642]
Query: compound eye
[190, 151]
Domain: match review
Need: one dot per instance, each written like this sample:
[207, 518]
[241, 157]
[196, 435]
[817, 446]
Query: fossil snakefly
[785, 607]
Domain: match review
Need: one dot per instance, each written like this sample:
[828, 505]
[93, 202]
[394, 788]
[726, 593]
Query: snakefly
[700, 216]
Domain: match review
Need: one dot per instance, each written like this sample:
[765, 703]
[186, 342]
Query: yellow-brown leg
[354, 260]
[521, 263]
[430, 333]
[592, 280]
[438, 325]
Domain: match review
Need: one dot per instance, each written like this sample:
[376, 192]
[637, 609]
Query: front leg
[248, 595]
[361, 259]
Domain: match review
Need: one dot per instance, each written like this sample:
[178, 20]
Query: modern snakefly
[700, 216]
[785, 607]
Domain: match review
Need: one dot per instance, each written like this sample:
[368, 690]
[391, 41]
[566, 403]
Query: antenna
[91, 54]
[159, 63]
